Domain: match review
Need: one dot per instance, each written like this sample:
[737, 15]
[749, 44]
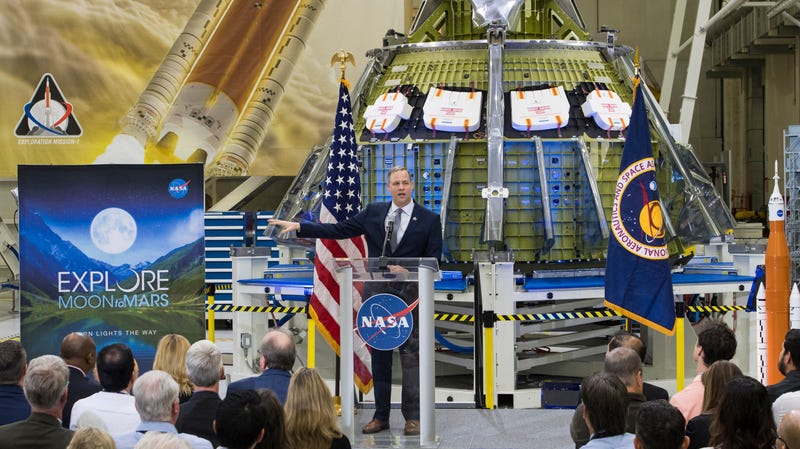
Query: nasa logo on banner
[384, 321]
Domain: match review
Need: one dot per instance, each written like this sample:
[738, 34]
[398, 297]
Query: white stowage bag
[538, 110]
[451, 111]
[607, 109]
[385, 113]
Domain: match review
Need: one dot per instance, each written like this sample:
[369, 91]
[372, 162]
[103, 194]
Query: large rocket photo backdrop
[115, 251]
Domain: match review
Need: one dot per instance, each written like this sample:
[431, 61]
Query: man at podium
[400, 228]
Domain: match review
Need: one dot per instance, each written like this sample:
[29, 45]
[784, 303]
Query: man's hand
[286, 226]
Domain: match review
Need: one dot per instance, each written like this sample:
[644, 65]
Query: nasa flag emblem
[384, 321]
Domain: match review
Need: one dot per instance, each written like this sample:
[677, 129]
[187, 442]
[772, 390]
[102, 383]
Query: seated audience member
[785, 403]
[789, 431]
[158, 407]
[204, 365]
[660, 426]
[277, 359]
[158, 440]
[605, 412]
[240, 420]
[714, 381]
[716, 342]
[625, 364]
[743, 419]
[788, 364]
[13, 405]
[170, 358]
[79, 352]
[311, 421]
[114, 405]
[91, 438]
[625, 339]
[275, 424]
[45, 387]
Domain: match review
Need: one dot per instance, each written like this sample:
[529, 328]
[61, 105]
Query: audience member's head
[239, 421]
[12, 362]
[277, 350]
[162, 440]
[45, 384]
[625, 339]
[789, 430]
[716, 342]
[310, 414]
[275, 424]
[116, 367]
[91, 438]
[791, 347]
[171, 358]
[743, 419]
[605, 402]
[79, 350]
[714, 379]
[204, 364]
[659, 425]
[625, 364]
[156, 397]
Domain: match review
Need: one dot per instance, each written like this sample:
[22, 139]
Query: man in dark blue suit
[13, 405]
[277, 359]
[417, 232]
[80, 354]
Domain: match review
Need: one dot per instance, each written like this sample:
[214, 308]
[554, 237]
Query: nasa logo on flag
[48, 115]
[384, 321]
[637, 220]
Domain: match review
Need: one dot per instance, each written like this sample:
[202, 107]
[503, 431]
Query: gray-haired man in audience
[45, 387]
[158, 407]
[204, 366]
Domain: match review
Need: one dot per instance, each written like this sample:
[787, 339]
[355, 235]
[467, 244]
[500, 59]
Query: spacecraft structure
[525, 192]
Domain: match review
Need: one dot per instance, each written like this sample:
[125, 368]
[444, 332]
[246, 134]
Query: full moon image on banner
[113, 230]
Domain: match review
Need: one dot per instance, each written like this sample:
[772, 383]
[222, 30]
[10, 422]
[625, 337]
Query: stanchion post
[212, 289]
[311, 338]
[488, 356]
[680, 368]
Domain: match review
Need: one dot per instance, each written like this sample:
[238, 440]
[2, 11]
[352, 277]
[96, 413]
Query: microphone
[382, 262]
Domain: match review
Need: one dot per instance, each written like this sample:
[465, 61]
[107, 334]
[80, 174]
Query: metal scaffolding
[791, 186]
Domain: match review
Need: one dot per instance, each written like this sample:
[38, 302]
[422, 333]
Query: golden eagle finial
[342, 57]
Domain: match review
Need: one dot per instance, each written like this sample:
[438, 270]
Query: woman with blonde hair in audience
[714, 380]
[171, 358]
[743, 419]
[91, 438]
[275, 424]
[311, 421]
[162, 440]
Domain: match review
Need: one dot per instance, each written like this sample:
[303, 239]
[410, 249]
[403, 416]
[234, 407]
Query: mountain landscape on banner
[50, 254]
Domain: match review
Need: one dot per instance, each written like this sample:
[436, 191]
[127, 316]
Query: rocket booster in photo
[777, 264]
[761, 339]
[215, 93]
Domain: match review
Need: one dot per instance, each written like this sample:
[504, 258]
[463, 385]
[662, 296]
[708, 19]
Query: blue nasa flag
[638, 282]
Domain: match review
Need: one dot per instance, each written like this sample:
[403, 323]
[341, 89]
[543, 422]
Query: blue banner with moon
[115, 251]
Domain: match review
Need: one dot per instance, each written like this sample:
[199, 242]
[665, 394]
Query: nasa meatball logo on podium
[115, 251]
[384, 321]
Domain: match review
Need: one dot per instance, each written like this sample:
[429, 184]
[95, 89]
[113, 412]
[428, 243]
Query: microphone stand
[383, 262]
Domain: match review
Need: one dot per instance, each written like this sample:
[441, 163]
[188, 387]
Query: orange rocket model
[215, 93]
[777, 263]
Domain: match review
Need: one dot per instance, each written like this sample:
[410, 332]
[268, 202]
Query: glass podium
[386, 274]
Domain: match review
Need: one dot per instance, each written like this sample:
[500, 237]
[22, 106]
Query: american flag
[341, 200]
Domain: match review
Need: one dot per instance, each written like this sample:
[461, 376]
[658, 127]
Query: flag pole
[342, 57]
